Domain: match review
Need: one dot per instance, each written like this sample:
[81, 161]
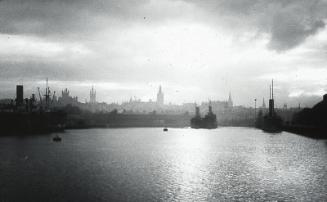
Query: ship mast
[47, 93]
[271, 100]
[272, 89]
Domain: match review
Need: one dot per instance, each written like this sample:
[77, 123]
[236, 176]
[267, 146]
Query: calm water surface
[147, 164]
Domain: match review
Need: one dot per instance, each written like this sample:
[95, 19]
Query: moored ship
[27, 116]
[271, 122]
[31, 122]
[209, 121]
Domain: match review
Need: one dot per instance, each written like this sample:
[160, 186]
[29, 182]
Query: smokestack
[197, 111]
[210, 109]
[19, 94]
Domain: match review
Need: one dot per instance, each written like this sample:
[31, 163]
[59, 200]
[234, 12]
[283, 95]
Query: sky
[197, 50]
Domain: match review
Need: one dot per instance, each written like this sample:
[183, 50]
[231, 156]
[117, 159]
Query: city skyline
[90, 97]
[158, 97]
[197, 50]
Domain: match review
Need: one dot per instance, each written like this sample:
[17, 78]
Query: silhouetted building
[316, 116]
[19, 94]
[160, 97]
[66, 99]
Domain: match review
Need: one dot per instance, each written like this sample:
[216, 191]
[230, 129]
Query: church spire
[263, 103]
[160, 97]
[92, 95]
[230, 101]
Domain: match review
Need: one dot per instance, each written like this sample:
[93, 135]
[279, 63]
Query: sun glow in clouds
[185, 45]
[197, 50]
[187, 54]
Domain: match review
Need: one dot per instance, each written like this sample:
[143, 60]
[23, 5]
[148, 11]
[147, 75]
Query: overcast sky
[196, 49]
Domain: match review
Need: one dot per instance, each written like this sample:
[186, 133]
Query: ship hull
[31, 122]
[202, 123]
[272, 124]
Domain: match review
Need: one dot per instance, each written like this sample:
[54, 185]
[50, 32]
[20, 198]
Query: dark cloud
[292, 24]
[62, 17]
[288, 22]
[287, 33]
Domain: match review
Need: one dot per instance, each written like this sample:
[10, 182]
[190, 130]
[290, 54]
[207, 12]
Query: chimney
[19, 94]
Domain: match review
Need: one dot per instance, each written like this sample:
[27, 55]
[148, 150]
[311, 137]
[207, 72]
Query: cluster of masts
[47, 97]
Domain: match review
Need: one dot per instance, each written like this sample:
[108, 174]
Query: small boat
[56, 138]
[165, 129]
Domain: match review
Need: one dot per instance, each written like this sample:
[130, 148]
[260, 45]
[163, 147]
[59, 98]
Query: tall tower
[93, 94]
[160, 97]
[230, 101]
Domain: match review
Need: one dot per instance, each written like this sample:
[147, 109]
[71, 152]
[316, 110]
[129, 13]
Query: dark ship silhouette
[209, 121]
[271, 122]
[26, 116]
[31, 122]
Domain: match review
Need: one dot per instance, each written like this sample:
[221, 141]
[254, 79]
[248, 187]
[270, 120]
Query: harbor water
[147, 164]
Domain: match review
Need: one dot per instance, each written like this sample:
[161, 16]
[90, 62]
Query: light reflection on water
[147, 164]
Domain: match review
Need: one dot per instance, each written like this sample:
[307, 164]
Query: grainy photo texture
[163, 100]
